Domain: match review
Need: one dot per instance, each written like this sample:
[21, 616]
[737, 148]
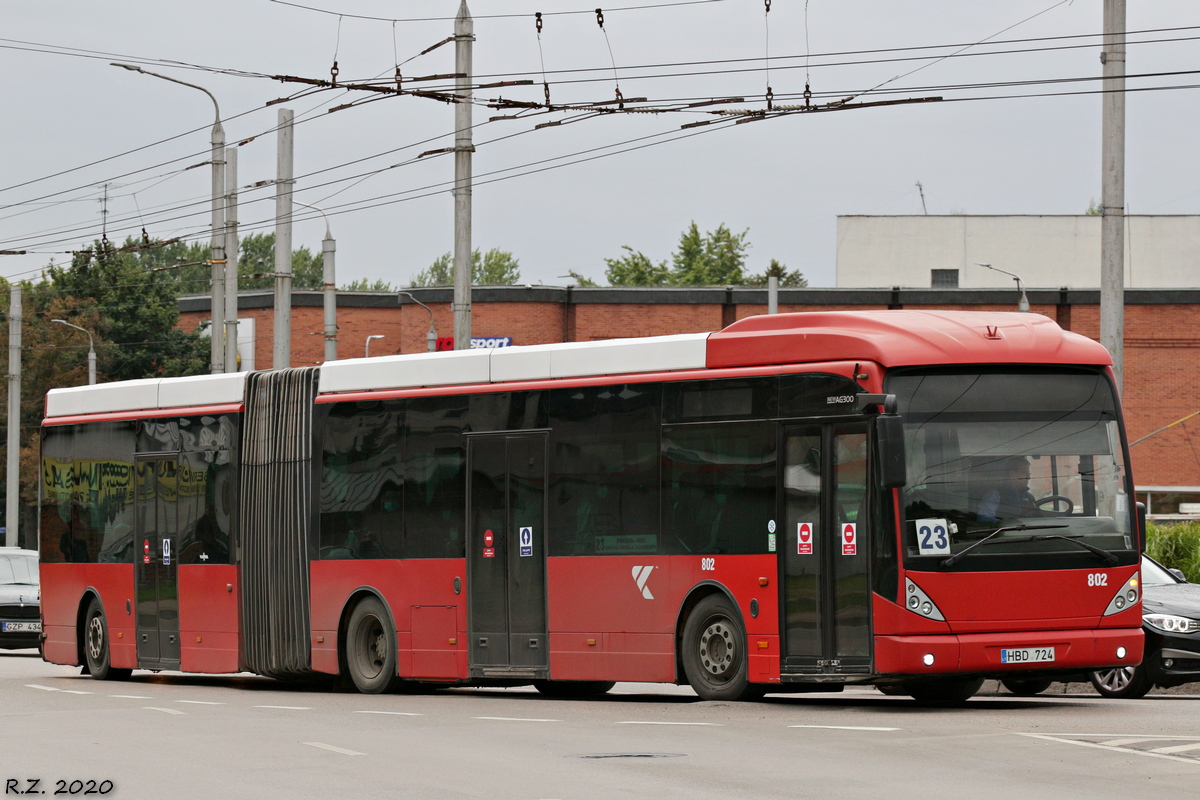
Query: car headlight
[1170, 623]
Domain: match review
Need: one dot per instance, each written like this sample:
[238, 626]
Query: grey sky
[784, 179]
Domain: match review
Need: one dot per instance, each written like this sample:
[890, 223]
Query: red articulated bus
[911, 499]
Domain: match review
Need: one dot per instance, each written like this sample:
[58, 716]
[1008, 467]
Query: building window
[943, 278]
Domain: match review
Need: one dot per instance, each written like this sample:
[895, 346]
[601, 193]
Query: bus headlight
[919, 603]
[1126, 596]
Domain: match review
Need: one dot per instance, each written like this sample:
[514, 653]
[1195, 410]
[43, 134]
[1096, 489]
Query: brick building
[1162, 339]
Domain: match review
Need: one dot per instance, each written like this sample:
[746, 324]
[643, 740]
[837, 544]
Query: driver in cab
[1010, 498]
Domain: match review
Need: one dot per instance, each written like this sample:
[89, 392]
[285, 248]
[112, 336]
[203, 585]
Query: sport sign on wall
[445, 343]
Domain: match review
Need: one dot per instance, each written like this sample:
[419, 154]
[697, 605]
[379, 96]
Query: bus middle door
[156, 501]
[826, 600]
[506, 555]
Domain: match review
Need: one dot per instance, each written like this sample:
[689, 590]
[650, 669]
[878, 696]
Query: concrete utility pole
[231, 261]
[1112, 197]
[464, 35]
[283, 243]
[12, 497]
[329, 285]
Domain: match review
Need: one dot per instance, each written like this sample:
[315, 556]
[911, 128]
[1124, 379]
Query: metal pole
[218, 248]
[231, 261]
[772, 295]
[283, 244]
[12, 499]
[91, 349]
[431, 334]
[329, 285]
[464, 35]
[1112, 196]
[367, 349]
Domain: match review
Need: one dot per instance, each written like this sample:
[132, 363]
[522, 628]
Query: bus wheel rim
[95, 638]
[717, 648]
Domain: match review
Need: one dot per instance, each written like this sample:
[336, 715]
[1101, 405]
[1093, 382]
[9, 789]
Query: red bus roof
[902, 338]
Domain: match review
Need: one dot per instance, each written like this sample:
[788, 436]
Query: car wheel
[943, 691]
[714, 652]
[1026, 687]
[371, 647]
[1127, 683]
[95, 646]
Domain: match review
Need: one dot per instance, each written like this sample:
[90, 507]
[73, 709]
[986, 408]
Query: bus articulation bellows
[799, 502]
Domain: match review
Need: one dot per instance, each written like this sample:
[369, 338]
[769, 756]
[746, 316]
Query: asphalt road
[188, 736]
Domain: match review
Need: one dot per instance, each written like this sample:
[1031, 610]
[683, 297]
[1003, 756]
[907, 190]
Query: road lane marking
[844, 728]
[331, 748]
[643, 722]
[517, 719]
[164, 710]
[1179, 748]
[43, 688]
[200, 702]
[1136, 740]
[131, 696]
[73, 691]
[1049, 738]
[395, 713]
[287, 708]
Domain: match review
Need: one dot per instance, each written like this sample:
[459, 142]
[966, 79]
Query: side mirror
[889, 445]
[1178, 573]
[1141, 525]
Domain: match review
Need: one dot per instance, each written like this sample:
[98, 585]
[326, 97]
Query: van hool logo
[640, 576]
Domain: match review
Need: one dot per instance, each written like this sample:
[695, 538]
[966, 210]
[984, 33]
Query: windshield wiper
[954, 559]
[1108, 556]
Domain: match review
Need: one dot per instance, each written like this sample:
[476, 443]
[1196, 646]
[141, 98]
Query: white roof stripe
[150, 393]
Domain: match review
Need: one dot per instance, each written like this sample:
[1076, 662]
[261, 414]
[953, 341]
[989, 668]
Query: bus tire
[714, 651]
[371, 647]
[1026, 687]
[1127, 683]
[573, 688]
[943, 691]
[96, 651]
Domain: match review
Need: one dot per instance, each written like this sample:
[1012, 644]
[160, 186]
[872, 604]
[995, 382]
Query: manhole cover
[630, 755]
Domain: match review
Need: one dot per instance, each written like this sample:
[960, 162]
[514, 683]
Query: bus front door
[826, 600]
[506, 555]
[156, 501]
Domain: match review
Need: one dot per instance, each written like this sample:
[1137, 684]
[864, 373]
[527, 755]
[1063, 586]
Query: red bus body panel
[208, 618]
[63, 589]
[431, 620]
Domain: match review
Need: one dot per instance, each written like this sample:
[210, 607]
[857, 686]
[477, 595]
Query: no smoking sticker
[804, 538]
[849, 539]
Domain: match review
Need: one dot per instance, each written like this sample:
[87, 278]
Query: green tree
[256, 256]
[496, 267]
[776, 270]
[363, 285]
[636, 269]
[580, 280]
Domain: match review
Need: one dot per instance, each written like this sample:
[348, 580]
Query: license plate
[21, 627]
[1026, 655]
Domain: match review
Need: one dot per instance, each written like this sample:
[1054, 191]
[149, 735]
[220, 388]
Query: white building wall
[1046, 251]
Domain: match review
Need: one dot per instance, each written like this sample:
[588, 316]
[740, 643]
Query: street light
[91, 349]
[218, 221]
[328, 249]
[367, 354]
[1023, 304]
[431, 335]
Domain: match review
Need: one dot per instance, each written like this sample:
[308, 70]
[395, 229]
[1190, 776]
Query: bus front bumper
[999, 653]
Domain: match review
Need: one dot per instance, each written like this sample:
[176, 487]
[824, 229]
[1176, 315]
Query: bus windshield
[1013, 470]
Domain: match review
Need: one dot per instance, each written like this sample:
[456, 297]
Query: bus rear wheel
[573, 688]
[943, 691]
[714, 652]
[371, 647]
[95, 646]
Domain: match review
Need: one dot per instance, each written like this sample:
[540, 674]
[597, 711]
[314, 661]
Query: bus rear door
[156, 501]
[506, 555]
[825, 617]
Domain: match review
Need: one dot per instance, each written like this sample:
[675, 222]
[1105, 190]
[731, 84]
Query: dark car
[20, 599]
[1171, 620]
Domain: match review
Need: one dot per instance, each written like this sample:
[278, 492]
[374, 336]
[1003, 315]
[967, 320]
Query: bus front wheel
[95, 646]
[1128, 683]
[714, 651]
[371, 647]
